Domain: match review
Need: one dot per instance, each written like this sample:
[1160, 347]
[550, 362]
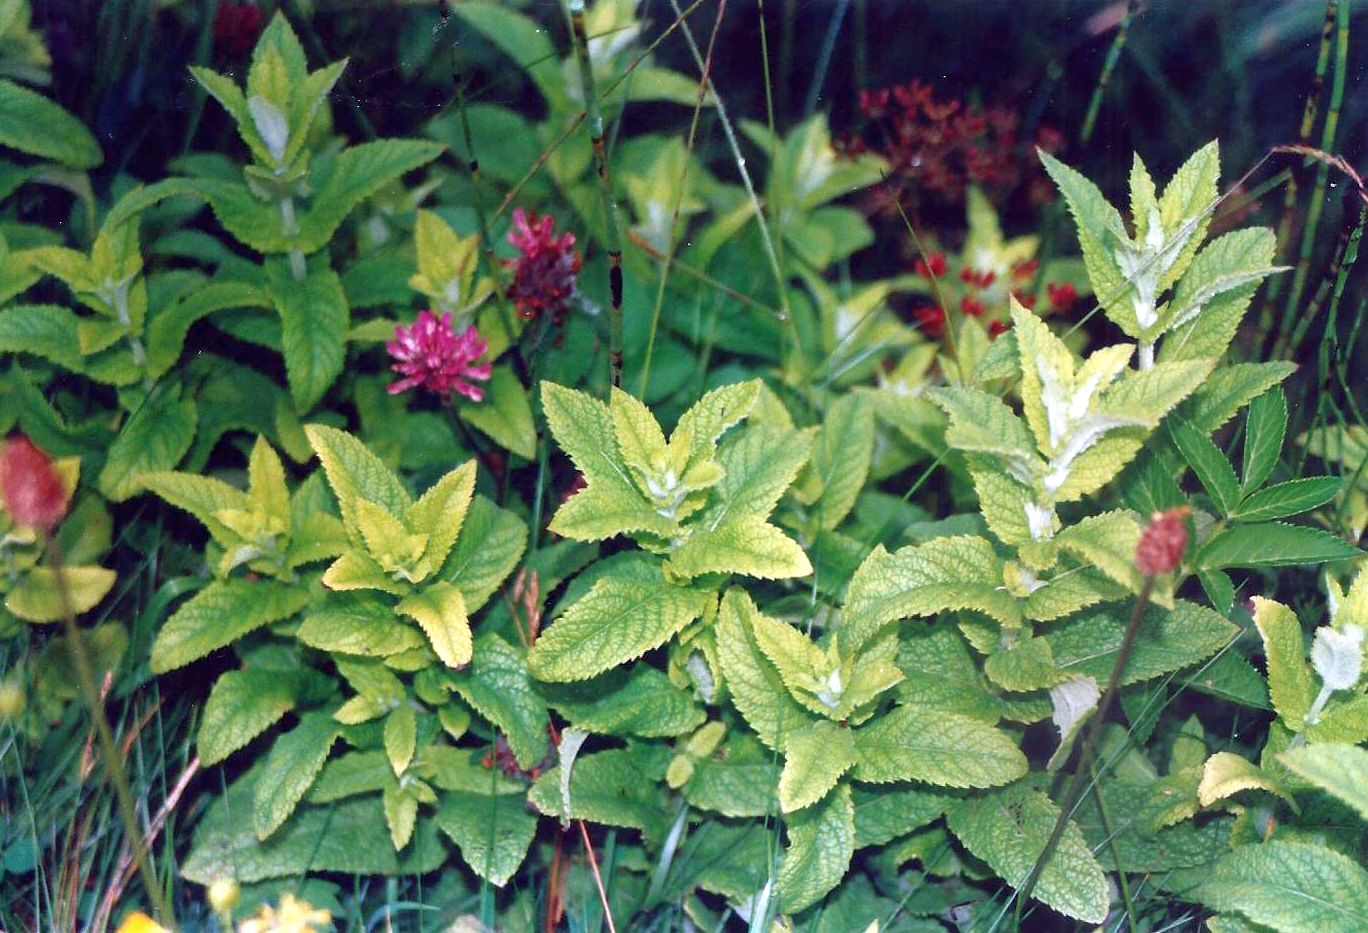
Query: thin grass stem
[1108, 67]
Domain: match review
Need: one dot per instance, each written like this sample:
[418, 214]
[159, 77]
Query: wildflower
[1026, 270]
[544, 276]
[972, 306]
[430, 354]
[224, 895]
[1062, 297]
[932, 321]
[1163, 542]
[293, 916]
[997, 328]
[237, 27]
[1026, 299]
[932, 268]
[138, 922]
[30, 486]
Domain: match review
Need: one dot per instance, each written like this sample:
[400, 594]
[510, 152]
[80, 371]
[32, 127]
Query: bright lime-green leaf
[958, 572]
[46, 331]
[39, 596]
[493, 833]
[840, 459]
[1226, 774]
[945, 749]
[491, 543]
[354, 472]
[1292, 887]
[439, 609]
[401, 814]
[1291, 684]
[617, 621]
[1339, 770]
[821, 844]
[242, 705]
[290, 769]
[815, 757]
[401, 732]
[219, 615]
[1009, 828]
[749, 546]
[756, 686]
[441, 511]
[1026, 665]
[1106, 541]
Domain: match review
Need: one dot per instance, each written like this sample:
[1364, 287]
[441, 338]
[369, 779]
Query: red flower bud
[1062, 297]
[1164, 542]
[973, 307]
[935, 267]
[30, 485]
[932, 321]
[997, 328]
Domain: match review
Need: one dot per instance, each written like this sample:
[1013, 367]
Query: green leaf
[1228, 389]
[821, 844]
[946, 749]
[815, 757]
[1167, 641]
[840, 459]
[401, 813]
[1107, 541]
[497, 685]
[1009, 828]
[522, 40]
[439, 609]
[167, 330]
[242, 705]
[756, 687]
[1292, 887]
[347, 837]
[1265, 430]
[35, 125]
[46, 331]
[643, 703]
[38, 596]
[983, 423]
[505, 414]
[314, 322]
[1213, 470]
[358, 624]
[1271, 544]
[354, 472]
[957, 572]
[618, 620]
[1339, 770]
[493, 833]
[219, 615]
[607, 788]
[441, 512]
[401, 734]
[356, 174]
[1290, 681]
[745, 545]
[491, 543]
[155, 437]
[1226, 774]
[1212, 297]
[290, 769]
[1290, 498]
[882, 814]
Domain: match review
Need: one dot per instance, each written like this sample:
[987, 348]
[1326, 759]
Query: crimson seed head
[431, 355]
[544, 275]
[1163, 542]
[30, 486]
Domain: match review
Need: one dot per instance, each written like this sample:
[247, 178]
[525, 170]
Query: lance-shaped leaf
[1339, 770]
[815, 757]
[1212, 296]
[756, 686]
[958, 572]
[155, 437]
[290, 769]
[840, 460]
[1226, 774]
[354, 472]
[821, 844]
[314, 320]
[219, 615]
[441, 512]
[498, 687]
[621, 618]
[242, 705]
[440, 610]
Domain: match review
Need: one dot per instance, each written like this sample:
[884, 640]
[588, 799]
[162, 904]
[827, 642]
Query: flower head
[932, 321]
[544, 275]
[430, 354]
[292, 916]
[1164, 542]
[237, 27]
[30, 486]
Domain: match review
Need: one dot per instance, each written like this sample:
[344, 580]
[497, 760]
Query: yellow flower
[293, 916]
[141, 923]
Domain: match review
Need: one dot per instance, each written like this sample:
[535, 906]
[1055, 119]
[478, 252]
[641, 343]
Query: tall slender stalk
[1089, 749]
[1327, 144]
[575, 8]
[680, 187]
[1346, 254]
[109, 750]
[1108, 66]
[1289, 209]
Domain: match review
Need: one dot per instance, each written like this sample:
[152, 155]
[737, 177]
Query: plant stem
[613, 242]
[680, 187]
[1108, 66]
[1346, 254]
[109, 750]
[1289, 208]
[1089, 749]
[1327, 144]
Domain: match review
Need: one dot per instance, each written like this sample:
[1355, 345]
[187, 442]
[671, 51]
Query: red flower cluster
[978, 299]
[544, 275]
[237, 27]
[1164, 542]
[431, 355]
[30, 487]
[940, 147]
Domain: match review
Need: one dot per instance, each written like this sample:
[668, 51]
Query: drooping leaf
[289, 770]
[497, 685]
[821, 843]
[242, 705]
[314, 321]
[493, 833]
[1292, 887]
[220, 614]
